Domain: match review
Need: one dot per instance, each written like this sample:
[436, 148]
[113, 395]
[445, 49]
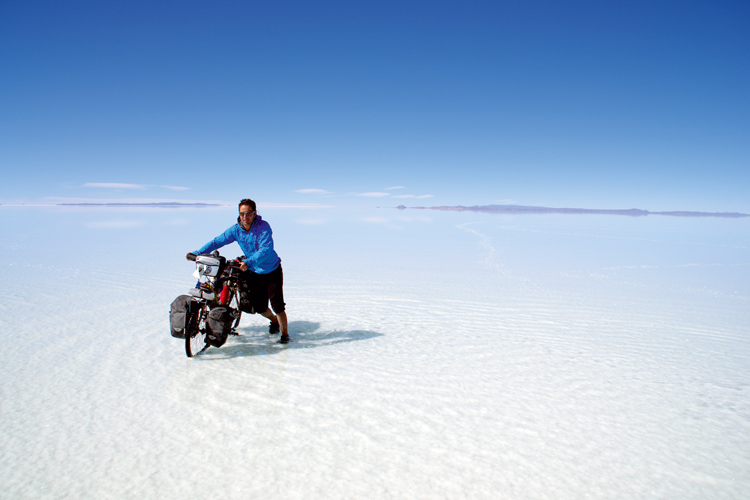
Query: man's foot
[284, 339]
[273, 327]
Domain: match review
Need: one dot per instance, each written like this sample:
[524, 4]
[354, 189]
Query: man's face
[247, 216]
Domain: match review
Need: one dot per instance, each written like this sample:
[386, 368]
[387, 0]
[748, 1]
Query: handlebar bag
[208, 265]
[179, 312]
[218, 325]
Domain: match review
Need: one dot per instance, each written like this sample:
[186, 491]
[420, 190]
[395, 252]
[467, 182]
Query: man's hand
[243, 266]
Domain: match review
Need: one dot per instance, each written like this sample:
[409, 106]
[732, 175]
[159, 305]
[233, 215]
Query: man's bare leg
[283, 322]
[268, 314]
[278, 318]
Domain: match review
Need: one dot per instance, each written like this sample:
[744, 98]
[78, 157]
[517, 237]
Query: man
[262, 266]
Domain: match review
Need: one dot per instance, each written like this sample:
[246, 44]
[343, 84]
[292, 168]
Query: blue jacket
[256, 244]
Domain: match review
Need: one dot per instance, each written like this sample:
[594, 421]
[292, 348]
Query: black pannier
[179, 313]
[246, 304]
[218, 326]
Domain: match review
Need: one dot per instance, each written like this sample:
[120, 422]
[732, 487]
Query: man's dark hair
[247, 201]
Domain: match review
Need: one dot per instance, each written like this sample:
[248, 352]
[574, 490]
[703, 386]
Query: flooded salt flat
[434, 355]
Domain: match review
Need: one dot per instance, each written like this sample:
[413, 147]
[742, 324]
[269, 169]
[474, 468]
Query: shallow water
[434, 355]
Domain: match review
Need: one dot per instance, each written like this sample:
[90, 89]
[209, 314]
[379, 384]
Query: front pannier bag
[179, 313]
[218, 325]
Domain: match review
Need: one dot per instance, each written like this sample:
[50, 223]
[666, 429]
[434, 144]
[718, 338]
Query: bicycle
[217, 293]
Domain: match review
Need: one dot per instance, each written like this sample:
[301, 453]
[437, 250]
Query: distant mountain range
[633, 212]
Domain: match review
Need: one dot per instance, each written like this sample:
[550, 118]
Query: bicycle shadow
[256, 341]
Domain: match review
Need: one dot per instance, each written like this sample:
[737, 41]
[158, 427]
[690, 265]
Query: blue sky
[575, 104]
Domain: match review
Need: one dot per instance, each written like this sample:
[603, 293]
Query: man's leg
[276, 297]
[268, 314]
[283, 323]
[279, 319]
[258, 292]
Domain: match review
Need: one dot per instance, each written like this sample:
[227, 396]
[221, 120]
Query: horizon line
[632, 212]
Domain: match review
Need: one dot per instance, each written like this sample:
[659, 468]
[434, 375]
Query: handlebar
[230, 263]
[233, 264]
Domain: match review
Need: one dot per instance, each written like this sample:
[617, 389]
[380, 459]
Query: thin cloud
[113, 185]
[375, 194]
[312, 191]
[420, 196]
[58, 200]
[394, 187]
[123, 185]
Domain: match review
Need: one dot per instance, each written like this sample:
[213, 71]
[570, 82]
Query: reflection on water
[451, 345]
[319, 245]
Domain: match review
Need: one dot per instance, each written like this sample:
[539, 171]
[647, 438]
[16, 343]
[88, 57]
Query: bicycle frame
[218, 284]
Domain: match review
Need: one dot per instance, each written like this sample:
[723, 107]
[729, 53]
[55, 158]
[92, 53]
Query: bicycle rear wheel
[195, 336]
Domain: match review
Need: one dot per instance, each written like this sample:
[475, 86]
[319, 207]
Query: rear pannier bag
[179, 314]
[246, 304]
[218, 325]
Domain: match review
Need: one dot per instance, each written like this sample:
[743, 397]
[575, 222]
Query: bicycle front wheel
[236, 321]
[195, 336]
[234, 305]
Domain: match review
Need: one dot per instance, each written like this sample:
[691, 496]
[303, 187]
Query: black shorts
[265, 287]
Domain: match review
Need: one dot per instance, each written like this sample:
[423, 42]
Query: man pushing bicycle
[261, 269]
